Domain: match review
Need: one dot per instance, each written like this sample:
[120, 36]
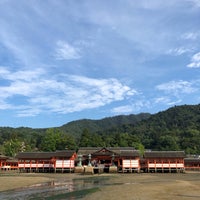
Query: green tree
[12, 147]
[55, 139]
[168, 142]
[65, 142]
[85, 140]
[48, 142]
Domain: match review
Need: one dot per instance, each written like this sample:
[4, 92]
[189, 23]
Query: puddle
[60, 189]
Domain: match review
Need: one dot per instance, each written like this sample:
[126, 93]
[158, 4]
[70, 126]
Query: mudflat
[10, 181]
[166, 186]
[157, 186]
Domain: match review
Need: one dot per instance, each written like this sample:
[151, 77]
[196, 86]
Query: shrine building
[59, 161]
[164, 161]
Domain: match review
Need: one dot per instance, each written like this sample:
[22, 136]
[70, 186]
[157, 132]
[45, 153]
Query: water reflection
[77, 188]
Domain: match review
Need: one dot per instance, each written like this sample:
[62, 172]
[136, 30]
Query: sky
[65, 60]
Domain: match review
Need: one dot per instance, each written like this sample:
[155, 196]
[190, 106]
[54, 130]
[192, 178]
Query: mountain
[97, 126]
[177, 128]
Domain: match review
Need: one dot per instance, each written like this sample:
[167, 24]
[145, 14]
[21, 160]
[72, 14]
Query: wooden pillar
[18, 165]
[139, 165]
[55, 165]
[71, 166]
[49, 165]
[122, 166]
[30, 167]
[24, 165]
[36, 165]
[62, 165]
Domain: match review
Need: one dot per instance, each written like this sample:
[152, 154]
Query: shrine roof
[108, 151]
[192, 160]
[45, 155]
[164, 154]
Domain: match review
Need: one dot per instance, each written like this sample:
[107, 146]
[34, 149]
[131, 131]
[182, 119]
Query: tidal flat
[176, 186]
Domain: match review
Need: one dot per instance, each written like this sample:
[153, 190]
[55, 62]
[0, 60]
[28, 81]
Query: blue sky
[64, 60]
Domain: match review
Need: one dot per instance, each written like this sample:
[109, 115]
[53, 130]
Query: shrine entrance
[102, 160]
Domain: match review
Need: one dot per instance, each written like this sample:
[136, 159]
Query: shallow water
[60, 189]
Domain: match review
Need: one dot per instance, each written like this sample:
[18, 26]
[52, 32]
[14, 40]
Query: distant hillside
[177, 128]
[98, 126]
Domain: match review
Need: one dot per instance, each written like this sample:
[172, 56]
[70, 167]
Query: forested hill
[99, 126]
[177, 128]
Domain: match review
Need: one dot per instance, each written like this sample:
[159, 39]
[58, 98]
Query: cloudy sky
[64, 60]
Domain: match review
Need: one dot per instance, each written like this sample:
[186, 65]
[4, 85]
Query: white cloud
[167, 101]
[4, 105]
[164, 100]
[177, 87]
[122, 109]
[190, 35]
[178, 51]
[141, 104]
[171, 103]
[65, 51]
[111, 88]
[61, 94]
[195, 61]
[196, 3]
[136, 106]
[154, 5]
[28, 112]
[25, 75]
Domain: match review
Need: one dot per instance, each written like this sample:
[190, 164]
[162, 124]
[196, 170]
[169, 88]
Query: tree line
[177, 128]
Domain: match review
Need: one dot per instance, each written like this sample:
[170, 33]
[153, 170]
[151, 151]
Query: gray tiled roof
[164, 154]
[120, 151]
[45, 155]
[192, 160]
[88, 150]
[2, 157]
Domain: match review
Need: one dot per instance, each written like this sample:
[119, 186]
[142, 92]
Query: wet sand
[13, 181]
[150, 186]
[120, 186]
